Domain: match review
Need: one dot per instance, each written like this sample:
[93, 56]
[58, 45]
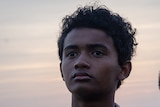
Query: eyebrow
[96, 46]
[90, 46]
[70, 47]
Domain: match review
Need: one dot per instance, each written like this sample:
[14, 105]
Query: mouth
[82, 77]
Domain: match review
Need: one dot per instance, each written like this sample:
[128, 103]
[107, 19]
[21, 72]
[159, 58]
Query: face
[90, 62]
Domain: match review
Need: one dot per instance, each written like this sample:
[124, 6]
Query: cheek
[66, 70]
[108, 73]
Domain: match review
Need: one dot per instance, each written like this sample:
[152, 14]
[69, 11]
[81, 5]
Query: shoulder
[116, 105]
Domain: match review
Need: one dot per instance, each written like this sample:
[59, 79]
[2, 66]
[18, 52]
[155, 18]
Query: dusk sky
[29, 64]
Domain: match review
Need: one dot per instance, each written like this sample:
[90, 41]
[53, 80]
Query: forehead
[87, 36]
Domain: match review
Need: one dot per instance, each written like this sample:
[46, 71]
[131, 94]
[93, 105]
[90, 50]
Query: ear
[125, 70]
[61, 70]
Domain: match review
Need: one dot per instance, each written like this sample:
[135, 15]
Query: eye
[72, 54]
[97, 53]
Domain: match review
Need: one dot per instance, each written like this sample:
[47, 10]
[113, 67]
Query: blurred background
[29, 65]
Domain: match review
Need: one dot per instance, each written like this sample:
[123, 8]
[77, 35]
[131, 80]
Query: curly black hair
[100, 17]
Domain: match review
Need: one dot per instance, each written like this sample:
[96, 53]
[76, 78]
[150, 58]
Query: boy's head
[119, 29]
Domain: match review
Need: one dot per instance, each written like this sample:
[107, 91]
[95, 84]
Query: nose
[82, 62]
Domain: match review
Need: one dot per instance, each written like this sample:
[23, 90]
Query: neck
[93, 102]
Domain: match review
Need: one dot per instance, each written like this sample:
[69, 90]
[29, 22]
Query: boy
[95, 49]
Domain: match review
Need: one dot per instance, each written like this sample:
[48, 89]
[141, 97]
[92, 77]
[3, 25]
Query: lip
[82, 76]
